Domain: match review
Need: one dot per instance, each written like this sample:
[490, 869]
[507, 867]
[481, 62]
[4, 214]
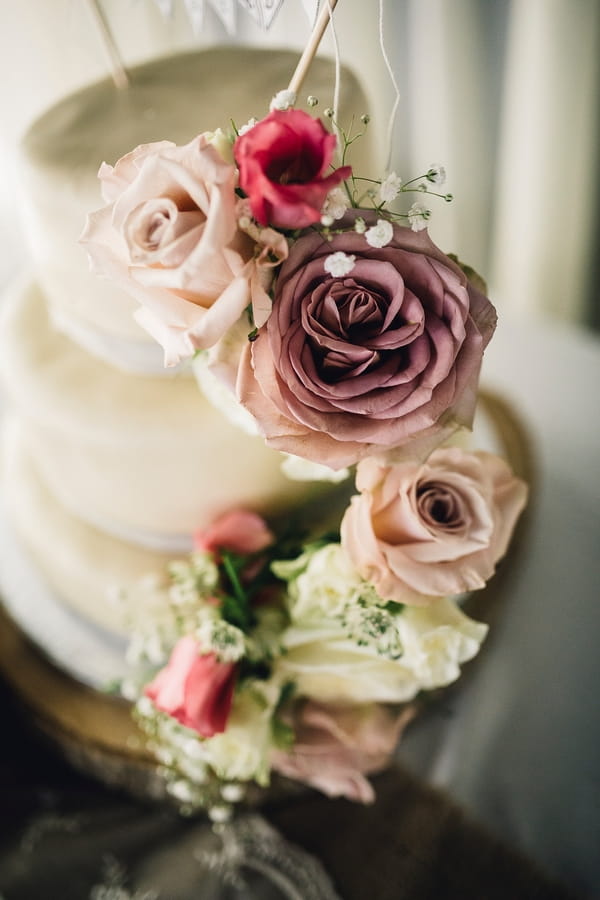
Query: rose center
[347, 331]
[293, 168]
[439, 506]
[156, 228]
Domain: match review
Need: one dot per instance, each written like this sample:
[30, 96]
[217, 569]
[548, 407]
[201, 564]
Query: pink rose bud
[240, 531]
[194, 688]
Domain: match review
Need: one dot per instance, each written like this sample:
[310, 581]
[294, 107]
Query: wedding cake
[335, 332]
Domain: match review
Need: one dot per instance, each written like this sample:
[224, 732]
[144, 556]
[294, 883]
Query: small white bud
[283, 100]
[249, 124]
[390, 188]
[417, 216]
[380, 234]
[233, 793]
[220, 814]
[312, 101]
[339, 264]
[327, 221]
[436, 174]
[336, 203]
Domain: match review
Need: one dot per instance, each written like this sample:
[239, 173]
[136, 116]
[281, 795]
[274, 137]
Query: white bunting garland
[262, 11]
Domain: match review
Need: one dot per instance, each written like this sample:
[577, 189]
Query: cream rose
[423, 530]
[325, 664]
[242, 752]
[169, 237]
[322, 583]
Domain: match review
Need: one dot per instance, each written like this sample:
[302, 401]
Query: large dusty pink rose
[169, 237]
[335, 746]
[195, 688]
[417, 531]
[386, 356]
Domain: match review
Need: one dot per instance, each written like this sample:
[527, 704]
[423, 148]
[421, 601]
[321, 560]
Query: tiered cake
[111, 461]
[275, 623]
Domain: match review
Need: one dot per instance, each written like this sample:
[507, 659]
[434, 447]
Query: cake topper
[262, 11]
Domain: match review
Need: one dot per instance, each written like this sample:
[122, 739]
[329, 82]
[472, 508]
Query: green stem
[238, 590]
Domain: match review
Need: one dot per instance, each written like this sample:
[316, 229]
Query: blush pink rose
[169, 237]
[194, 688]
[387, 356]
[417, 531]
[240, 531]
[284, 163]
[336, 746]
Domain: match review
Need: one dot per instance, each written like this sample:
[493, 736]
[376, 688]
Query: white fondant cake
[109, 470]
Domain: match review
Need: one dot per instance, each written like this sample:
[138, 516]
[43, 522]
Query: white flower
[242, 751]
[221, 143]
[372, 626]
[220, 814]
[233, 793]
[222, 638]
[283, 100]
[336, 203]
[417, 216]
[298, 469]
[325, 663]
[390, 188]
[436, 174]
[322, 583]
[249, 124]
[339, 264]
[380, 234]
[360, 226]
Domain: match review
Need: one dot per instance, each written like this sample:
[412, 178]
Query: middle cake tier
[146, 459]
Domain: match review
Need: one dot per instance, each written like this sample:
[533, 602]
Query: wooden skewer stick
[117, 69]
[312, 46]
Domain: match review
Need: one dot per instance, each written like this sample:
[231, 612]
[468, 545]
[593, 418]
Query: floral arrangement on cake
[326, 320]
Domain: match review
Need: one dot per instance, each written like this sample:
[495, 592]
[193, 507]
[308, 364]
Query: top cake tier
[172, 99]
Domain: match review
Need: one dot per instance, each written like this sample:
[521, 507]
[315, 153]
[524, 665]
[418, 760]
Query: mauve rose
[169, 237]
[418, 531]
[240, 531]
[194, 688]
[382, 358]
[283, 162]
[335, 746]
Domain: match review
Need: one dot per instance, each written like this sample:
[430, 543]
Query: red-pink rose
[336, 746]
[283, 162]
[194, 688]
[418, 531]
[387, 356]
[240, 531]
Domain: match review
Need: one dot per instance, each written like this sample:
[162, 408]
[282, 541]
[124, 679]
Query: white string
[388, 65]
[336, 85]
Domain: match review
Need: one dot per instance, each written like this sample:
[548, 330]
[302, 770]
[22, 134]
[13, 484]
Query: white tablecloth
[520, 745]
